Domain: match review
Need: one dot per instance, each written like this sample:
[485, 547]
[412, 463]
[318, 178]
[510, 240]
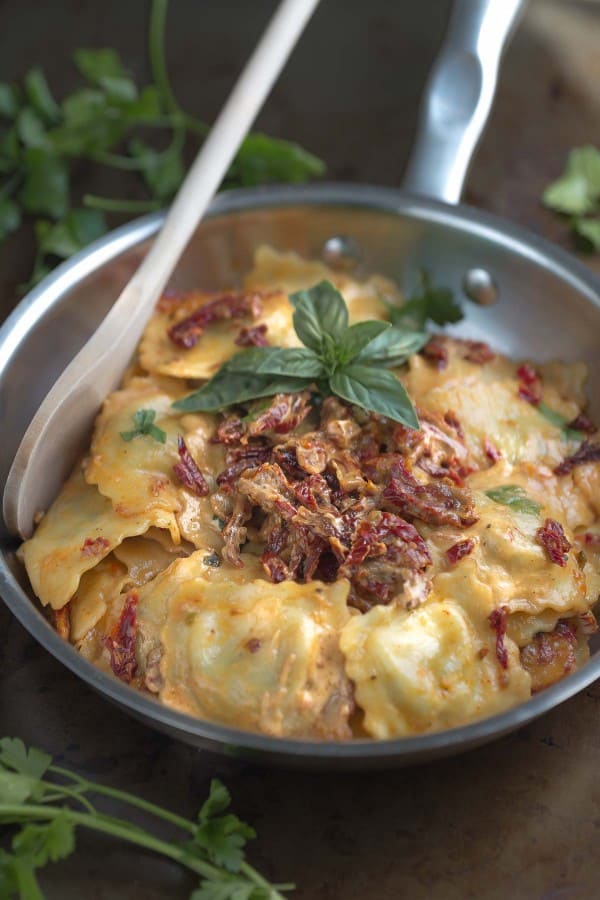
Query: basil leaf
[292, 362]
[46, 186]
[376, 390]
[513, 496]
[358, 337]
[319, 311]
[227, 388]
[393, 347]
[39, 96]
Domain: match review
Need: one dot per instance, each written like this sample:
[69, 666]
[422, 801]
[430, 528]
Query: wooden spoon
[63, 421]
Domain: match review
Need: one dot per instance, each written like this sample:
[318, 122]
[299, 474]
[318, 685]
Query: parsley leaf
[578, 188]
[144, 425]
[514, 496]
[46, 814]
[427, 303]
[104, 114]
[577, 193]
[14, 755]
[221, 837]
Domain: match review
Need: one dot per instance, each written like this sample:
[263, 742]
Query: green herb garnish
[110, 121]
[350, 361]
[557, 419]
[577, 194]
[46, 804]
[514, 496]
[428, 303]
[144, 424]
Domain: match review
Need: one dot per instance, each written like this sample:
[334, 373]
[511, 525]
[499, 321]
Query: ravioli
[249, 653]
[428, 669]
[485, 399]
[78, 531]
[221, 593]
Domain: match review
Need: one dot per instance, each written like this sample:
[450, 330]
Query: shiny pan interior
[548, 308]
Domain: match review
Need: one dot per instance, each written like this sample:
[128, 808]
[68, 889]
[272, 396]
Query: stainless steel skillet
[548, 307]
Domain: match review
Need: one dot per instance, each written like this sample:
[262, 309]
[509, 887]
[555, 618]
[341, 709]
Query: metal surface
[459, 96]
[549, 307]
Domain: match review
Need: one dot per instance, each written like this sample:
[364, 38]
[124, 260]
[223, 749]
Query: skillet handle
[459, 96]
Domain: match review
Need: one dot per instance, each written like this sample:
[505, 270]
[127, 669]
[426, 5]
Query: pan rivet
[480, 287]
[341, 252]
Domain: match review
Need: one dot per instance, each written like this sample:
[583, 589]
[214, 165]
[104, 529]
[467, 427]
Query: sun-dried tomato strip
[436, 351]
[530, 384]
[188, 472]
[587, 452]
[491, 451]
[121, 641]
[187, 333]
[459, 550]
[478, 352]
[435, 504]
[253, 336]
[451, 419]
[582, 423]
[497, 619]
[95, 546]
[283, 414]
[553, 539]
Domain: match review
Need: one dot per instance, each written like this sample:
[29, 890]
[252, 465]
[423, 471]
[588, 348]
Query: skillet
[532, 300]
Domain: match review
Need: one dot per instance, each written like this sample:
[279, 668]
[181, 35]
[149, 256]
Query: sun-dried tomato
[582, 423]
[478, 352]
[121, 641]
[188, 472]
[187, 333]
[553, 539]
[435, 504]
[459, 550]
[491, 451]
[95, 546]
[248, 456]
[530, 384]
[436, 351]
[284, 413]
[497, 619]
[253, 336]
[587, 452]
[451, 419]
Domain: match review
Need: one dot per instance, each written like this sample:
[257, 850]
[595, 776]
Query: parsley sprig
[106, 122]
[47, 804]
[427, 303]
[576, 194]
[513, 496]
[350, 361]
[143, 420]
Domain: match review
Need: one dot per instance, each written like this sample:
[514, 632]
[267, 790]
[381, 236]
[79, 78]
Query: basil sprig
[350, 361]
